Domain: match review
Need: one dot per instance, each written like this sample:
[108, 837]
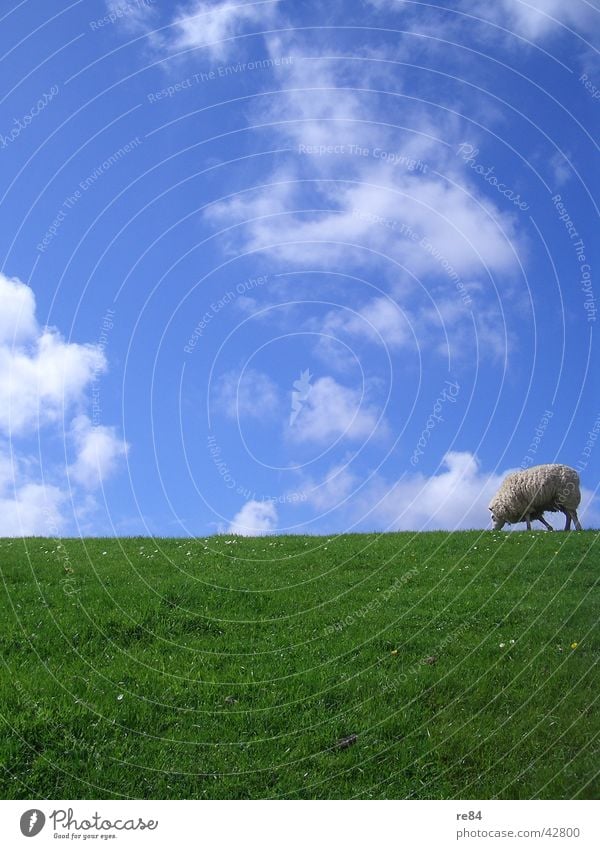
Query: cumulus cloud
[421, 223]
[536, 19]
[17, 316]
[210, 25]
[319, 107]
[214, 25]
[379, 320]
[455, 497]
[27, 508]
[254, 519]
[463, 334]
[589, 509]
[531, 19]
[134, 16]
[408, 192]
[332, 411]
[33, 510]
[39, 381]
[338, 485]
[43, 385]
[408, 208]
[560, 168]
[449, 326]
[99, 452]
[41, 374]
[251, 394]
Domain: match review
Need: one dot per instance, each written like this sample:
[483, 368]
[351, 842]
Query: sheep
[525, 496]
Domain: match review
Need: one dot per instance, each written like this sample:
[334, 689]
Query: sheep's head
[497, 522]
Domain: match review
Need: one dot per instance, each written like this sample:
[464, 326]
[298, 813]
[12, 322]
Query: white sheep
[525, 496]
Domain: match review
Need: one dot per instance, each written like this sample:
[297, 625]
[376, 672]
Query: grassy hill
[464, 663]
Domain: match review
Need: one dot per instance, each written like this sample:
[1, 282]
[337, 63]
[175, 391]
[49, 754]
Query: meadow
[374, 666]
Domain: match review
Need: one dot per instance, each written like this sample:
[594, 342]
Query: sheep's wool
[536, 490]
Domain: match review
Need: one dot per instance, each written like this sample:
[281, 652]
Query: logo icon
[32, 822]
[300, 393]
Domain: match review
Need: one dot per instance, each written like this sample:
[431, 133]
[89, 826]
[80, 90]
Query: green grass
[230, 668]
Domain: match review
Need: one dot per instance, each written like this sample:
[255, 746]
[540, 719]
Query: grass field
[464, 663]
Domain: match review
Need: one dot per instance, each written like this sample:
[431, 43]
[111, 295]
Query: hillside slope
[464, 663]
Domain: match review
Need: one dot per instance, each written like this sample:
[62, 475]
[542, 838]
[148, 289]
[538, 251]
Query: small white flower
[120, 697]
[502, 645]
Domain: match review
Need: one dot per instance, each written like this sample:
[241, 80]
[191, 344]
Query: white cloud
[445, 325]
[43, 383]
[464, 334]
[134, 16]
[381, 201]
[249, 395]
[339, 484]
[213, 24]
[380, 320]
[27, 508]
[33, 510]
[420, 222]
[531, 19]
[7, 469]
[332, 411]
[41, 375]
[255, 518]
[208, 24]
[40, 381]
[589, 509]
[432, 232]
[318, 106]
[99, 452]
[455, 497]
[17, 316]
[561, 168]
[535, 19]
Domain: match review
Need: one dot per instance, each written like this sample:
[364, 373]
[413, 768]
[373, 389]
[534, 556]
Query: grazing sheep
[525, 496]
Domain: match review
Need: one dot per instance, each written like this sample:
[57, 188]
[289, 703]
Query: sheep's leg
[568, 522]
[546, 524]
[576, 520]
[528, 520]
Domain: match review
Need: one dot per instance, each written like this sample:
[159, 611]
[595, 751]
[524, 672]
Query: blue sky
[274, 267]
